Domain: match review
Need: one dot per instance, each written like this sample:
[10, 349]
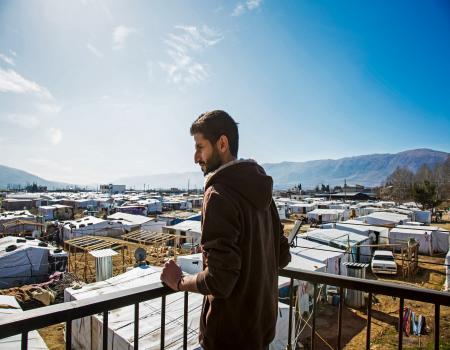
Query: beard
[211, 164]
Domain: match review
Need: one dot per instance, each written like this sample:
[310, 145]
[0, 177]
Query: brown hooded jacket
[243, 249]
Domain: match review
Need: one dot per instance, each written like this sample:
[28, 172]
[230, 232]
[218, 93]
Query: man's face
[206, 154]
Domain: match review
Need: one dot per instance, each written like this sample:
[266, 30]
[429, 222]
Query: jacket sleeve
[285, 255]
[220, 235]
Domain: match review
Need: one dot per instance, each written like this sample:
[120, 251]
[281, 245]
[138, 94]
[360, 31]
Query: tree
[423, 174]
[401, 181]
[425, 194]
[442, 180]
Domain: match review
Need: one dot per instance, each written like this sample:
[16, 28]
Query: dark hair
[215, 124]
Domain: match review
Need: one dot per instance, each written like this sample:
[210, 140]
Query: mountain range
[13, 176]
[368, 170]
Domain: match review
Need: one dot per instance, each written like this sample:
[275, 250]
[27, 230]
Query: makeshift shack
[190, 229]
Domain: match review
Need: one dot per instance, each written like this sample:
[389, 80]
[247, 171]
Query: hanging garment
[413, 324]
[406, 320]
[424, 325]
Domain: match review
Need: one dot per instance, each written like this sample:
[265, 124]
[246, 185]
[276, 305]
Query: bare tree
[401, 181]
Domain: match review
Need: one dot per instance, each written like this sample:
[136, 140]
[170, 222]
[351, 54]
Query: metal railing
[371, 287]
[67, 312]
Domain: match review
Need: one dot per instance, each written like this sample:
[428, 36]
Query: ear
[222, 144]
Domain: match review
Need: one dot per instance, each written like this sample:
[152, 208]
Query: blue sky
[91, 91]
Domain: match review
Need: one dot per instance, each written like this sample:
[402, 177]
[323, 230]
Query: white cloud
[94, 50]
[120, 36]
[249, 5]
[238, 10]
[12, 52]
[26, 121]
[55, 135]
[253, 4]
[11, 81]
[48, 109]
[7, 59]
[182, 46]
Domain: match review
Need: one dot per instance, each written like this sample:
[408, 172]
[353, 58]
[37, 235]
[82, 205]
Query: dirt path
[54, 336]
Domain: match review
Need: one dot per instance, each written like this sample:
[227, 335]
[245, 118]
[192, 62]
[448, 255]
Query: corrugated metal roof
[356, 265]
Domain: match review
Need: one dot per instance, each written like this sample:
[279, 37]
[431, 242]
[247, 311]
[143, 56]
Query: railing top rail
[374, 286]
[46, 316]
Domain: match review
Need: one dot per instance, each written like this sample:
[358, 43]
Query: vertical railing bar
[291, 297]
[400, 323]
[136, 327]
[69, 335]
[163, 320]
[341, 305]
[369, 320]
[314, 311]
[24, 342]
[105, 330]
[436, 325]
[185, 324]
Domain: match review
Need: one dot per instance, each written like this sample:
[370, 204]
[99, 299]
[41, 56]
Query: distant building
[112, 189]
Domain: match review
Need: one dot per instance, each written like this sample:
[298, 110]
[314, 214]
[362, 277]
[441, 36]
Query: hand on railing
[171, 275]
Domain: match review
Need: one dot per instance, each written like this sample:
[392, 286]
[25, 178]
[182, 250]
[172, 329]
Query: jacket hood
[245, 177]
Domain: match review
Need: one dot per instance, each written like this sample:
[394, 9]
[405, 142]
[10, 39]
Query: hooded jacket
[243, 249]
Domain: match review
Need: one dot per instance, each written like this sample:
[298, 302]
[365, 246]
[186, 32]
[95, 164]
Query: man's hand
[171, 274]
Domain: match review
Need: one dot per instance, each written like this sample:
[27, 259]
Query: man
[242, 240]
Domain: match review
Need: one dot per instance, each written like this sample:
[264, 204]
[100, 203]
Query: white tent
[87, 332]
[301, 208]
[328, 215]
[10, 307]
[191, 264]
[383, 218]
[131, 222]
[358, 244]
[366, 230]
[26, 263]
[402, 235]
[16, 215]
[333, 258]
[90, 225]
[430, 241]
[281, 208]
[439, 236]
